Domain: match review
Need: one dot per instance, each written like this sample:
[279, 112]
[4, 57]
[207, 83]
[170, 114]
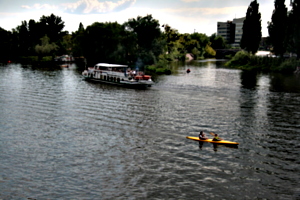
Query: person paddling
[216, 137]
[202, 136]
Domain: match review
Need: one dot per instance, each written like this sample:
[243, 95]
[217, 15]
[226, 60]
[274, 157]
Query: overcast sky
[186, 16]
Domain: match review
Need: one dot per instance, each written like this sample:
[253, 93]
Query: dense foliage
[5, 43]
[277, 28]
[284, 31]
[247, 61]
[139, 41]
[252, 28]
[143, 41]
[293, 29]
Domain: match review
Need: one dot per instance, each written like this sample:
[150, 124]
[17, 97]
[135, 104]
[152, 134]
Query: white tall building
[239, 22]
[231, 31]
[226, 30]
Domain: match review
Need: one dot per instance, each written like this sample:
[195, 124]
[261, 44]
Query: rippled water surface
[64, 138]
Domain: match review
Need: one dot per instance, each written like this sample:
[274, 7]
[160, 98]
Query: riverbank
[246, 61]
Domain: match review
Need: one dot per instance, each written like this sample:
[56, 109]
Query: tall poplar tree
[277, 28]
[293, 39]
[252, 28]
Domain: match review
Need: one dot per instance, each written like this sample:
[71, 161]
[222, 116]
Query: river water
[64, 138]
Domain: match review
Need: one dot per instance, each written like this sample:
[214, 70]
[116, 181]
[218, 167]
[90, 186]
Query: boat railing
[110, 73]
[118, 75]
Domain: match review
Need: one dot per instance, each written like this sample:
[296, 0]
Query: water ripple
[64, 138]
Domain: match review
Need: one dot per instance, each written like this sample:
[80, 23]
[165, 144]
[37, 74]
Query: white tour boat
[117, 74]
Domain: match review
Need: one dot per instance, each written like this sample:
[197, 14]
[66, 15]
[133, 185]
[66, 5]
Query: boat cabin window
[114, 69]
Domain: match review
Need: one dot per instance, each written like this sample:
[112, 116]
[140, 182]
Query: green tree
[146, 35]
[278, 27]
[45, 49]
[186, 45]
[67, 44]
[102, 42]
[23, 39]
[26, 37]
[203, 41]
[5, 44]
[209, 51]
[78, 41]
[35, 34]
[293, 37]
[171, 36]
[252, 28]
[52, 26]
[217, 41]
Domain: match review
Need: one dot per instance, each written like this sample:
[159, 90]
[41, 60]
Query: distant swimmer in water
[188, 71]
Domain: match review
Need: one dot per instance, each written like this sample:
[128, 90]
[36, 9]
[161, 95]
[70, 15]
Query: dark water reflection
[63, 138]
[285, 83]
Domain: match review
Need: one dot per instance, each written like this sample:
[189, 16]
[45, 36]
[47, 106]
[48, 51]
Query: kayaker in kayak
[216, 138]
[202, 136]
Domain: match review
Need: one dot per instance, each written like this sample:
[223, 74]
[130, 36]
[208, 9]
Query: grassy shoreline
[246, 61]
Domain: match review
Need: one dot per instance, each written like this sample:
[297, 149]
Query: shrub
[46, 58]
[158, 69]
[28, 59]
[151, 68]
[288, 66]
[241, 58]
[247, 61]
[163, 71]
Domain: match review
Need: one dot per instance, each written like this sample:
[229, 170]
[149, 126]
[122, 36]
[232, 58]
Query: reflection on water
[64, 138]
[249, 79]
[285, 83]
[216, 146]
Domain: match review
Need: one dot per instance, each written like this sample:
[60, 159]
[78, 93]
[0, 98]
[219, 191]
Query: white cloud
[209, 11]
[84, 6]
[189, 1]
[40, 6]
[94, 6]
[25, 6]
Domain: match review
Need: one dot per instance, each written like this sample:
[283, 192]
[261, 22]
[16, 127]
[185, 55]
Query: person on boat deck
[216, 138]
[130, 73]
[202, 136]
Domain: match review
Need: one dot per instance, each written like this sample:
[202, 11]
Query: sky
[186, 16]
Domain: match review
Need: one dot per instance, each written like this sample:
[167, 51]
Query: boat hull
[211, 141]
[116, 74]
[128, 84]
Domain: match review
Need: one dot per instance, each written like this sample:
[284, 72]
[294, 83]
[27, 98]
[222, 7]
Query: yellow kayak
[211, 141]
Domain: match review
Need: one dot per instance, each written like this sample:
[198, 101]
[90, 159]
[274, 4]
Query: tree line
[284, 39]
[143, 40]
[140, 39]
[284, 28]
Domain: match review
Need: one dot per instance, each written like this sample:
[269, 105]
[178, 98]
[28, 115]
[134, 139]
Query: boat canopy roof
[109, 65]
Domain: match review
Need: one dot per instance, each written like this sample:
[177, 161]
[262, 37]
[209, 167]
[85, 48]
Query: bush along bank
[159, 70]
[247, 61]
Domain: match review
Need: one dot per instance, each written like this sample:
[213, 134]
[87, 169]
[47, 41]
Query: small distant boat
[116, 74]
[212, 141]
